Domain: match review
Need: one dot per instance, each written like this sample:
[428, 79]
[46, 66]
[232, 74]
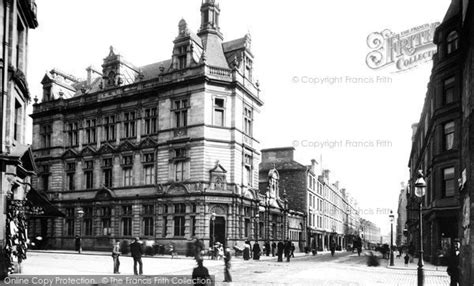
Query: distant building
[370, 233]
[16, 160]
[401, 230]
[165, 151]
[331, 214]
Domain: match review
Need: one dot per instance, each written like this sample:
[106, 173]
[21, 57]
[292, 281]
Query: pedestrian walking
[267, 248]
[407, 259]
[201, 275]
[78, 244]
[256, 251]
[453, 263]
[137, 252]
[293, 249]
[287, 250]
[273, 248]
[332, 247]
[246, 252]
[115, 256]
[227, 256]
[280, 251]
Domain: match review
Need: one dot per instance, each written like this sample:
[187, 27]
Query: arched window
[452, 42]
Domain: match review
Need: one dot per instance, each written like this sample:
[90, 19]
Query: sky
[310, 59]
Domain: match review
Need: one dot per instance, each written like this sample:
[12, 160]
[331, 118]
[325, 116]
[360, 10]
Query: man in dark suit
[137, 252]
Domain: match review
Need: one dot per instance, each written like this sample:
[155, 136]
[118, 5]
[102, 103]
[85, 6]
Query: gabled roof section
[218, 169]
[70, 153]
[154, 70]
[147, 143]
[453, 10]
[106, 148]
[126, 146]
[88, 151]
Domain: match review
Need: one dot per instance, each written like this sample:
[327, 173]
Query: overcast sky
[292, 41]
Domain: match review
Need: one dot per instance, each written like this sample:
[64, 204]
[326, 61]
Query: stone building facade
[401, 230]
[436, 146]
[16, 161]
[330, 213]
[165, 151]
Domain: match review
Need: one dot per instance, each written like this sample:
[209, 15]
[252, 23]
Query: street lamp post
[391, 216]
[420, 186]
[80, 213]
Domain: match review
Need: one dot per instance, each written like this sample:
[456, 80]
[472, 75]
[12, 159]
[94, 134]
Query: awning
[40, 206]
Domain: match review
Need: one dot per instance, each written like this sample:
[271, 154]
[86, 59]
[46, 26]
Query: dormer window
[181, 56]
[452, 42]
[111, 78]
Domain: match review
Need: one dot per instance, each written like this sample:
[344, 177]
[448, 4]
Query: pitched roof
[153, 70]
[453, 10]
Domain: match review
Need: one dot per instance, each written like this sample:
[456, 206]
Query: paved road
[344, 269]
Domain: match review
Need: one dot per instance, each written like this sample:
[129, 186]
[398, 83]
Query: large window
[452, 42]
[70, 216]
[45, 177]
[45, 133]
[70, 172]
[449, 135]
[72, 134]
[89, 173]
[126, 222]
[151, 121]
[87, 221]
[127, 163]
[448, 90]
[248, 121]
[182, 57]
[109, 128]
[149, 168]
[148, 212]
[248, 170]
[107, 172]
[180, 165]
[180, 108]
[90, 134]
[179, 225]
[448, 182]
[129, 129]
[219, 111]
[105, 214]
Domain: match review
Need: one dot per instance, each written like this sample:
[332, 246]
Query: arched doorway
[217, 231]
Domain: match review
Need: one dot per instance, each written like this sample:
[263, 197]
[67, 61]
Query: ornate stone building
[16, 161]
[165, 151]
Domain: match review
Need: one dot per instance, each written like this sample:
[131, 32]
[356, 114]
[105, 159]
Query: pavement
[345, 268]
[399, 263]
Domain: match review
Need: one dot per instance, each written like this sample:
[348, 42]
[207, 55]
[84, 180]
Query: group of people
[136, 251]
[281, 248]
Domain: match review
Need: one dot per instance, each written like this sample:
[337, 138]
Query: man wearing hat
[137, 252]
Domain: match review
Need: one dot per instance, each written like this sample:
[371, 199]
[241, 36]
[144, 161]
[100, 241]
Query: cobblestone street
[322, 269]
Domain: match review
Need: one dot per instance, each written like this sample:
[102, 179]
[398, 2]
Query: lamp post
[80, 213]
[420, 186]
[391, 216]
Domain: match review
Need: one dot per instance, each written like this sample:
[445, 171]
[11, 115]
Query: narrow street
[343, 269]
